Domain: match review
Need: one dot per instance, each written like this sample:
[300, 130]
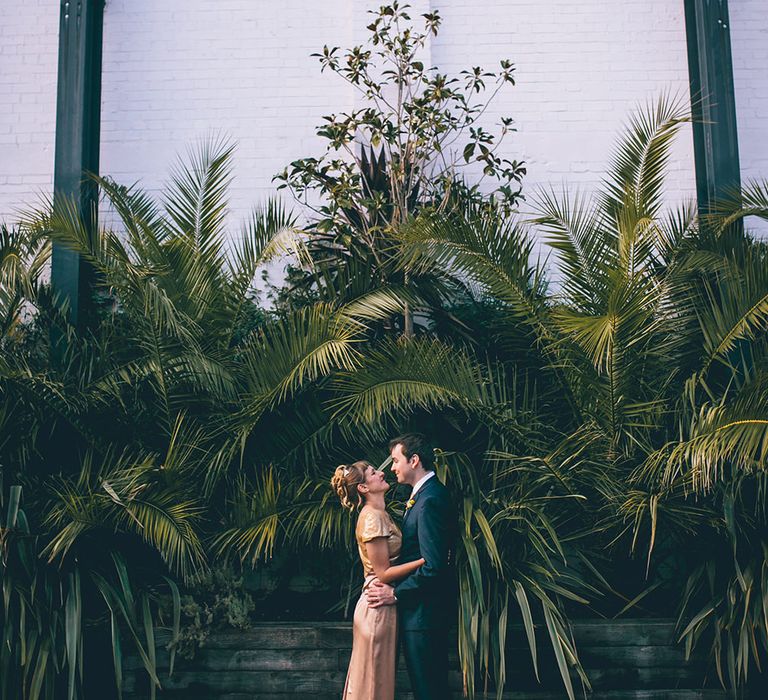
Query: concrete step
[624, 660]
[661, 694]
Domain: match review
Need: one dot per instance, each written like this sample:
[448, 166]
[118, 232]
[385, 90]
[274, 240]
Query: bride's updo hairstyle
[345, 481]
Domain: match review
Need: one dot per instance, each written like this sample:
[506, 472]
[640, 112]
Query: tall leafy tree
[654, 341]
[405, 148]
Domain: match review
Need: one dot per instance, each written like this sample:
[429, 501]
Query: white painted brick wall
[177, 70]
[29, 36]
[749, 45]
[581, 68]
[749, 48]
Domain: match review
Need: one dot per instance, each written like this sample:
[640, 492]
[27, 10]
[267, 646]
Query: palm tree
[619, 406]
[704, 487]
[654, 341]
[122, 447]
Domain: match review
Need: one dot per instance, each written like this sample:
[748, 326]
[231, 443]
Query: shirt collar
[424, 479]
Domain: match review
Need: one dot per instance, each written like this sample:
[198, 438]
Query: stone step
[624, 660]
[281, 673]
[191, 683]
[336, 635]
[518, 661]
[661, 694]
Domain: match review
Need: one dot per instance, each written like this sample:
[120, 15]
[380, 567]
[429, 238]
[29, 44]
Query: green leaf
[530, 630]
[73, 630]
[117, 653]
[558, 643]
[14, 498]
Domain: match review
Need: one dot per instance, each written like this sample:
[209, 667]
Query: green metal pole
[710, 67]
[715, 133]
[78, 116]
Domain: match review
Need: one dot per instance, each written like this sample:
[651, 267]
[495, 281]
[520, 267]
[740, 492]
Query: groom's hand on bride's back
[380, 594]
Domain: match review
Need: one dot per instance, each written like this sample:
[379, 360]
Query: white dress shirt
[424, 479]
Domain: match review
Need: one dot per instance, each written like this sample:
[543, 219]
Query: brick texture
[749, 42]
[176, 71]
[29, 35]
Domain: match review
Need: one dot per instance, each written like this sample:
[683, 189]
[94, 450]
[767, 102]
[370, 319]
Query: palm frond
[270, 233]
[406, 373]
[289, 354]
[196, 199]
[481, 246]
[733, 305]
[585, 244]
[23, 257]
[636, 175]
[253, 519]
[168, 525]
[750, 200]
[139, 217]
[725, 439]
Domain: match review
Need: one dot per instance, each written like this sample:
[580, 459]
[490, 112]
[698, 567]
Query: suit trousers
[426, 656]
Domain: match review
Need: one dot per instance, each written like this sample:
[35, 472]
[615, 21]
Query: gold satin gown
[371, 674]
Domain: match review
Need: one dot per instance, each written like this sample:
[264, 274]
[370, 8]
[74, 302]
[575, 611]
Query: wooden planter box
[625, 660]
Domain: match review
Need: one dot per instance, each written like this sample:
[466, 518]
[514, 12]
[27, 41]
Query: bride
[371, 674]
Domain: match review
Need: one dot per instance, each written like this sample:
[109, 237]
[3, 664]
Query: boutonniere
[410, 503]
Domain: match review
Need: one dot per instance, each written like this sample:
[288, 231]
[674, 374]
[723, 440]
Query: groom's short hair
[416, 444]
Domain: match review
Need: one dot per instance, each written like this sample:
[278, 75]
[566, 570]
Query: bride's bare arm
[378, 553]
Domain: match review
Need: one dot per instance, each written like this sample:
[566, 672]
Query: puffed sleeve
[374, 524]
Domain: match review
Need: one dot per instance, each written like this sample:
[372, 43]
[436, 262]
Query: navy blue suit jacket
[426, 598]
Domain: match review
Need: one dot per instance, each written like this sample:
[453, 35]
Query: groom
[425, 599]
